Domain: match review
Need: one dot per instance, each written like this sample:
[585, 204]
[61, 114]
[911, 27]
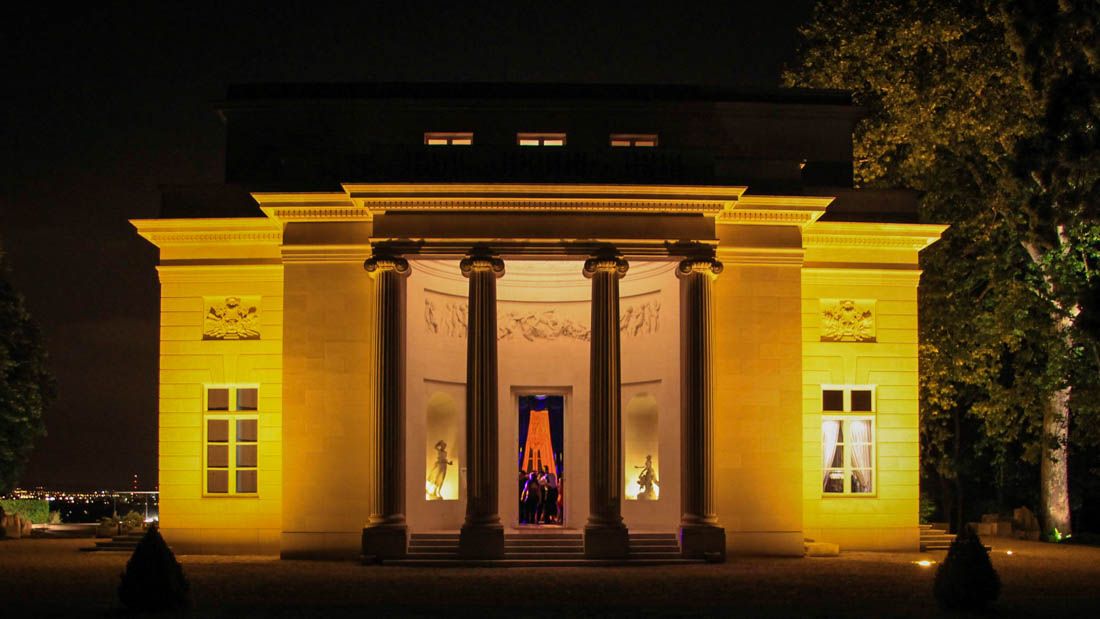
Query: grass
[49, 577]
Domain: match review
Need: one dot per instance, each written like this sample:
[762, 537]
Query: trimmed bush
[133, 520]
[966, 579]
[35, 510]
[154, 580]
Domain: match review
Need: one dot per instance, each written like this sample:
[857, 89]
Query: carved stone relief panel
[847, 320]
[231, 318]
[446, 315]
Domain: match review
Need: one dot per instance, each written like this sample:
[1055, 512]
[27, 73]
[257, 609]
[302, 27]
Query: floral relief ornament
[232, 318]
[847, 320]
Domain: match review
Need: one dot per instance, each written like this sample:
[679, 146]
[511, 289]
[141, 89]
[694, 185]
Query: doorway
[541, 466]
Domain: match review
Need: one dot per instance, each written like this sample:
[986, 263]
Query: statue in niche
[438, 473]
[647, 479]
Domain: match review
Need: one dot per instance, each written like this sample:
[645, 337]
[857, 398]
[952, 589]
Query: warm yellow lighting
[448, 138]
[638, 140]
[924, 563]
[1008, 552]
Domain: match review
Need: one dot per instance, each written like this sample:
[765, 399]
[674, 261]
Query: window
[231, 437]
[540, 139]
[452, 138]
[847, 440]
[633, 140]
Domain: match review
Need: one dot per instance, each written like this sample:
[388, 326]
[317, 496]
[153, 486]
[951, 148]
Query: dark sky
[107, 102]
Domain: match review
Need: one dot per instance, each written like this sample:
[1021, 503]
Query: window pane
[861, 400]
[217, 399]
[644, 143]
[832, 400]
[529, 142]
[462, 142]
[246, 430]
[217, 430]
[620, 142]
[246, 481]
[246, 455]
[834, 481]
[217, 481]
[861, 481]
[217, 455]
[247, 399]
[838, 457]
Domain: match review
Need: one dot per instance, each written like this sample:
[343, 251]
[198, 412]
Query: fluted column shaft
[482, 535]
[384, 535]
[605, 413]
[697, 378]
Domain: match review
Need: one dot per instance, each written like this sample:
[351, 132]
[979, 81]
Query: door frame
[517, 391]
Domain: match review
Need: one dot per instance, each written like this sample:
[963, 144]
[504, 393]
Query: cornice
[760, 256]
[852, 235]
[568, 198]
[239, 231]
[775, 210]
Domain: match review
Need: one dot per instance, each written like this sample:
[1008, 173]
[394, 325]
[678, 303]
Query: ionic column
[385, 535]
[700, 535]
[482, 536]
[605, 535]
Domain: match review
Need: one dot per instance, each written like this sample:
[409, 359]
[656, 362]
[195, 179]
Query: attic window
[633, 140]
[540, 139]
[445, 138]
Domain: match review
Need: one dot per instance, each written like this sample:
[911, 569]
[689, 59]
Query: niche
[441, 442]
[640, 446]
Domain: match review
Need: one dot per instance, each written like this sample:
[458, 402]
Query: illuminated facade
[350, 323]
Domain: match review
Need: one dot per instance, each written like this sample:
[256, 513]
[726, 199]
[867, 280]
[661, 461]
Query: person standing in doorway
[549, 482]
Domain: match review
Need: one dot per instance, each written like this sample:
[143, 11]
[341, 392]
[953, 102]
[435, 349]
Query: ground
[50, 577]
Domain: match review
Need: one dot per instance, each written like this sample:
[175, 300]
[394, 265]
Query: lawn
[50, 577]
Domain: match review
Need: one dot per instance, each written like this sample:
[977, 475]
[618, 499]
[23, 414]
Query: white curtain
[859, 440]
[830, 429]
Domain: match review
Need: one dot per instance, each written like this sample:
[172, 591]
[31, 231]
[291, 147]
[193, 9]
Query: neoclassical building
[408, 301]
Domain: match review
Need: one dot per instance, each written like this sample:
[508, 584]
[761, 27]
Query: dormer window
[448, 138]
[633, 140]
[540, 139]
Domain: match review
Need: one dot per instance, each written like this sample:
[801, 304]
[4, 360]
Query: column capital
[380, 263]
[480, 259]
[705, 264]
[607, 261]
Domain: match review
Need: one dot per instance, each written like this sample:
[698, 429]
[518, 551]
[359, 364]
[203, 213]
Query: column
[482, 536]
[605, 535]
[386, 534]
[700, 535]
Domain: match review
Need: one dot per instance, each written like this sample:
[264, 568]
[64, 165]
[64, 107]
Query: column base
[606, 542]
[703, 542]
[385, 542]
[481, 542]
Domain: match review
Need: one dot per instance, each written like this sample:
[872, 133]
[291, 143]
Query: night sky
[107, 103]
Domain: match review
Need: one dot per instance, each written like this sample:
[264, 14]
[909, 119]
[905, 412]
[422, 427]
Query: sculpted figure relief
[847, 321]
[231, 319]
[449, 318]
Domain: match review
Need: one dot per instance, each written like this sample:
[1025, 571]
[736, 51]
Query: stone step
[544, 551]
[542, 543]
[560, 536]
[640, 536]
[571, 562]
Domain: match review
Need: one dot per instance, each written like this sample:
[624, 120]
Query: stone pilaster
[700, 535]
[605, 535]
[386, 534]
[482, 536]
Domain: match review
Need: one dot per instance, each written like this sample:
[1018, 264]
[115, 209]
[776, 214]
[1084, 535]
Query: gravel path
[49, 577]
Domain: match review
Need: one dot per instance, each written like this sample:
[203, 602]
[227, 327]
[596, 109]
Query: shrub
[55, 517]
[154, 580]
[966, 579]
[35, 510]
[133, 520]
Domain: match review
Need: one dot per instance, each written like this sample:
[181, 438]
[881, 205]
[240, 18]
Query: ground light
[924, 563]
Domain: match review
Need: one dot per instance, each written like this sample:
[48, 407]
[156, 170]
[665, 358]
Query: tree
[26, 388]
[981, 107]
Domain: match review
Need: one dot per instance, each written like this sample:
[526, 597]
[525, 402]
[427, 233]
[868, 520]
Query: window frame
[540, 139]
[448, 138]
[633, 140]
[845, 417]
[232, 415]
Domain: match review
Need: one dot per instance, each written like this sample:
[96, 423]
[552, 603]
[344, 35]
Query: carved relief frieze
[847, 320]
[445, 315]
[231, 318]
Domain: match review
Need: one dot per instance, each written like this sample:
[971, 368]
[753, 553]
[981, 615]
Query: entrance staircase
[126, 542]
[935, 537]
[540, 548]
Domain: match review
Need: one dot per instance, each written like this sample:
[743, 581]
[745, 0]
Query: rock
[12, 530]
[1024, 524]
[25, 527]
[822, 549]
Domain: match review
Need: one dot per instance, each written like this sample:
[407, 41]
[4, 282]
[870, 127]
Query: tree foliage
[989, 109]
[26, 388]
